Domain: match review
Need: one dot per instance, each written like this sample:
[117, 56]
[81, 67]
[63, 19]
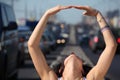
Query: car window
[0, 32]
[10, 14]
[0, 22]
[4, 17]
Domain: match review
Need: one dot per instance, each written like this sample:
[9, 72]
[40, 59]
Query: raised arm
[108, 53]
[104, 62]
[33, 45]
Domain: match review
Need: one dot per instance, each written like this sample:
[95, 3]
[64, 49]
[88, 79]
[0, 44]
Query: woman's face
[73, 66]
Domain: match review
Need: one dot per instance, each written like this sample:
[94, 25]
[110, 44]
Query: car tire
[14, 77]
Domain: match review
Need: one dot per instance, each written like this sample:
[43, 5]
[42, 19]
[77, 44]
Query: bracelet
[105, 28]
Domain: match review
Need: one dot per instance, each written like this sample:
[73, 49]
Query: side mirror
[11, 26]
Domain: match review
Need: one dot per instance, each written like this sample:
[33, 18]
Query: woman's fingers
[85, 13]
[88, 10]
[81, 7]
[56, 9]
[59, 7]
[65, 7]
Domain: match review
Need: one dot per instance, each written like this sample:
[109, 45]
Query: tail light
[118, 40]
[96, 39]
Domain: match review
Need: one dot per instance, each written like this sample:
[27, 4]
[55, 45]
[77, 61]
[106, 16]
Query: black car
[8, 43]
[97, 43]
[61, 33]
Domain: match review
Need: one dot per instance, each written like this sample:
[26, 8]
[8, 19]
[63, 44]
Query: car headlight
[63, 41]
[58, 41]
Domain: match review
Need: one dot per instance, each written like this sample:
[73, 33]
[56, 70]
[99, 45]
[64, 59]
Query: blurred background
[18, 19]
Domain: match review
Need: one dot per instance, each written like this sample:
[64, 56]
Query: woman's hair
[86, 68]
[58, 67]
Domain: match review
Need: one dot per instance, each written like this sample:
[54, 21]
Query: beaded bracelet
[105, 28]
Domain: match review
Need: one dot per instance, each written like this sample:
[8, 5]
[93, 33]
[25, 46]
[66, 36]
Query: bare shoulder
[92, 75]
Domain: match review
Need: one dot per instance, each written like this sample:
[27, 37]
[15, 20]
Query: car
[83, 39]
[82, 36]
[24, 33]
[61, 33]
[64, 36]
[48, 42]
[96, 42]
[45, 45]
[50, 38]
[31, 24]
[8, 43]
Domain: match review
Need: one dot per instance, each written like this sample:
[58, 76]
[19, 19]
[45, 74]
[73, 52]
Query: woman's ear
[61, 69]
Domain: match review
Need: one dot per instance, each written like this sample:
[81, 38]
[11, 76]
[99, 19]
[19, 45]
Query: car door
[9, 41]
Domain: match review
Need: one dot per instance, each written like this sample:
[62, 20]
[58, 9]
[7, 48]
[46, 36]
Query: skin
[96, 73]
[73, 68]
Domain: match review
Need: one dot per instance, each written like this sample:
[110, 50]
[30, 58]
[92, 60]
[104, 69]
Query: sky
[36, 8]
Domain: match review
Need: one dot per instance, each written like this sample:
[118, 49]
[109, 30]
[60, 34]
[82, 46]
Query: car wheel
[14, 77]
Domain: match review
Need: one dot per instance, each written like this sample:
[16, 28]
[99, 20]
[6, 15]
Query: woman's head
[74, 65]
[65, 61]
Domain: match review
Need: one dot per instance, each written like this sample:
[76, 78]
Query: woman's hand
[56, 9]
[88, 10]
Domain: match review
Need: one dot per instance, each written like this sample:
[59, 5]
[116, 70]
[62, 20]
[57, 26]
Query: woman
[73, 69]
